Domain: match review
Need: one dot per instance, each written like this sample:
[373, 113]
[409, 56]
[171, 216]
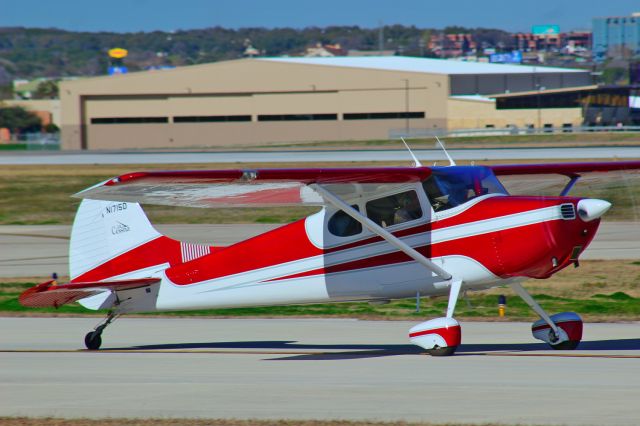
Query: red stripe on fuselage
[282, 245]
[157, 251]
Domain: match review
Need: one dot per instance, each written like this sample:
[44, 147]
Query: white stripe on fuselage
[495, 224]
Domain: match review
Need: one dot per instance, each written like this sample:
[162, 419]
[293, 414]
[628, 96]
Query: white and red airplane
[382, 233]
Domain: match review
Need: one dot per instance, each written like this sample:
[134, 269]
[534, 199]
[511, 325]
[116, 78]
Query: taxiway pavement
[315, 369]
[40, 250]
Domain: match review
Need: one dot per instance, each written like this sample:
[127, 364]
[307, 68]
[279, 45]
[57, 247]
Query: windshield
[449, 187]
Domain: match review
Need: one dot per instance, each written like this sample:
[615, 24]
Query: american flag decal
[193, 251]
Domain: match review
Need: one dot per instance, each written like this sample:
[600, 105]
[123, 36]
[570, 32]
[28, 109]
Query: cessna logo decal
[114, 208]
[119, 228]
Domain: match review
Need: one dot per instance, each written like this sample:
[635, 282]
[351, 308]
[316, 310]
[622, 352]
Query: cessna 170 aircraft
[382, 233]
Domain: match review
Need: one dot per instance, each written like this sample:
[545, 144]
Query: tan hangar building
[263, 101]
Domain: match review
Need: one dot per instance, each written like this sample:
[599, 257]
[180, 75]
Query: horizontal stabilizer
[51, 294]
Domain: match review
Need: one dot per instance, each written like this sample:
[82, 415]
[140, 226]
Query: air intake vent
[568, 211]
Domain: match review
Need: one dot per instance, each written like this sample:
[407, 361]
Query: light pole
[536, 85]
[406, 106]
[538, 102]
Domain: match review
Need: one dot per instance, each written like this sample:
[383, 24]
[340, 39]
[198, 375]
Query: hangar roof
[552, 91]
[476, 98]
[423, 65]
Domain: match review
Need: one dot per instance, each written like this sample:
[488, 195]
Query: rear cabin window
[343, 225]
[395, 209]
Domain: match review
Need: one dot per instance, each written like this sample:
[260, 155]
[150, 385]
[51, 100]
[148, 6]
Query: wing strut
[377, 229]
[569, 185]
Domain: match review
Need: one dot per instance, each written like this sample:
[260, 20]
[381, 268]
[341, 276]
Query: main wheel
[567, 345]
[446, 351]
[93, 340]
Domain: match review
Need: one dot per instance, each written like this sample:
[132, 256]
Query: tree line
[36, 52]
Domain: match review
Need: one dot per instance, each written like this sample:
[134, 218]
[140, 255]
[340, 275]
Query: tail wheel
[93, 340]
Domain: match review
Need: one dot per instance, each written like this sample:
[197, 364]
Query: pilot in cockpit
[445, 193]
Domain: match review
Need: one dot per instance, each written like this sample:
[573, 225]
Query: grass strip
[601, 307]
[606, 290]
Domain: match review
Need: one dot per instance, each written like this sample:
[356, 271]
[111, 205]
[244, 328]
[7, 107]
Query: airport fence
[413, 133]
[33, 142]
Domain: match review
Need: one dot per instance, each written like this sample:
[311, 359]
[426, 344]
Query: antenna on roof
[416, 162]
[451, 162]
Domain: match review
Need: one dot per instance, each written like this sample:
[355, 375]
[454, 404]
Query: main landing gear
[440, 336]
[560, 331]
[93, 339]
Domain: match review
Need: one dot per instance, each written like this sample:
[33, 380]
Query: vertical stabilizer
[104, 230]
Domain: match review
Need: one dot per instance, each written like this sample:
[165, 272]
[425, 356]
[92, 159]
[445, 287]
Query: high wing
[249, 188]
[268, 187]
[567, 169]
[559, 178]
[615, 181]
[51, 294]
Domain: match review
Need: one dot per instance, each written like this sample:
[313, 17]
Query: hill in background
[28, 53]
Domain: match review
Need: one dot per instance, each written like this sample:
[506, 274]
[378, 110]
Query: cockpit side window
[343, 225]
[394, 209]
[451, 187]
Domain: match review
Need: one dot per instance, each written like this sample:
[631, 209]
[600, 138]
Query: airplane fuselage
[490, 240]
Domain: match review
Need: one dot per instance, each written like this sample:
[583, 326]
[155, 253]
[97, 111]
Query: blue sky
[167, 15]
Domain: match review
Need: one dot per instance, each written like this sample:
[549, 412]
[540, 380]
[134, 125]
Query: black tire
[568, 345]
[446, 351]
[93, 341]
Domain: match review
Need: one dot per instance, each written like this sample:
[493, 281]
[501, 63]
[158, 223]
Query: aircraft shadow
[356, 351]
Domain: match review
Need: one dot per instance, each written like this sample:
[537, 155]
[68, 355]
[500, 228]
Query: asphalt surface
[38, 251]
[315, 369]
[310, 156]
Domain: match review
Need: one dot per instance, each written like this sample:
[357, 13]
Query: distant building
[325, 51]
[452, 45]
[24, 89]
[616, 37]
[371, 52]
[47, 109]
[282, 100]
[576, 41]
[251, 51]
